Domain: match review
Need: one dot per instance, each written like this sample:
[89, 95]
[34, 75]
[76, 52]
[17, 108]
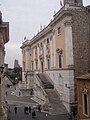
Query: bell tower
[73, 2]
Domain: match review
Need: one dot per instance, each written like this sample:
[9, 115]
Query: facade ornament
[59, 51]
[85, 90]
[68, 23]
[48, 56]
[53, 31]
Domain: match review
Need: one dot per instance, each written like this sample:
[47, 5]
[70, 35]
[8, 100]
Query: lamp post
[2, 112]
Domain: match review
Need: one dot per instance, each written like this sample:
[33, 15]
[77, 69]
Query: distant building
[4, 38]
[16, 64]
[83, 96]
[61, 50]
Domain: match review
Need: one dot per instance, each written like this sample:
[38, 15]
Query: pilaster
[54, 49]
[34, 57]
[38, 57]
[51, 51]
[27, 59]
[45, 54]
[68, 43]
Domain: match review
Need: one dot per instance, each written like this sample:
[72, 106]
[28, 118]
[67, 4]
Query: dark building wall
[81, 40]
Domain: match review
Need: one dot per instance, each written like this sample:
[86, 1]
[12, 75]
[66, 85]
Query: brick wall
[81, 40]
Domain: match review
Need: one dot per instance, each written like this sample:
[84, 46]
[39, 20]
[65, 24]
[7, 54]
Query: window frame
[84, 105]
[59, 30]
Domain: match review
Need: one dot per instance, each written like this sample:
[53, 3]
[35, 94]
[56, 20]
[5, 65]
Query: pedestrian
[71, 115]
[15, 109]
[6, 93]
[33, 114]
[19, 93]
[39, 108]
[9, 109]
[31, 92]
[29, 109]
[25, 110]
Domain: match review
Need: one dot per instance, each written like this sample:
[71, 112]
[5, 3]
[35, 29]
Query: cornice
[57, 17]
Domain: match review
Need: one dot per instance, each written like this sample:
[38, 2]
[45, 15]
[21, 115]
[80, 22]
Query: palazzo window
[36, 65]
[24, 66]
[59, 30]
[60, 63]
[48, 64]
[59, 52]
[47, 41]
[85, 104]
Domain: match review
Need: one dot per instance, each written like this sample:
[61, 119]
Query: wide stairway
[45, 81]
[55, 104]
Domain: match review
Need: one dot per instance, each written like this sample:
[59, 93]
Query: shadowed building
[60, 51]
[4, 38]
[83, 96]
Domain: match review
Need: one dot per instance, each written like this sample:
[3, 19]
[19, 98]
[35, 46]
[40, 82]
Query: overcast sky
[25, 18]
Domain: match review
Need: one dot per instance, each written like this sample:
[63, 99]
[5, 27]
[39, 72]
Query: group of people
[32, 111]
[29, 110]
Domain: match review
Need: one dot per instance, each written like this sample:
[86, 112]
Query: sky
[25, 18]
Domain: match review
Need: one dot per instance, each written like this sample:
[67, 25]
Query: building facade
[61, 50]
[4, 38]
[83, 95]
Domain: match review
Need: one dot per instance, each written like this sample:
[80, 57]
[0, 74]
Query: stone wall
[81, 40]
[64, 83]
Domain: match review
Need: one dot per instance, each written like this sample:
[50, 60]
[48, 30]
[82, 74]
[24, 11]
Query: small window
[85, 104]
[48, 64]
[60, 62]
[47, 40]
[59, 30]
[36, 65]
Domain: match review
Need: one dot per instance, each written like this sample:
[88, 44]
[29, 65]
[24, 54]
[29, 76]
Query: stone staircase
[55, 102]
[45, 82]
[55, 105]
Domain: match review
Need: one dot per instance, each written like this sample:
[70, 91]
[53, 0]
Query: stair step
[45, 82]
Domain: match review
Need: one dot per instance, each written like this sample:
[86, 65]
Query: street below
[14, 100]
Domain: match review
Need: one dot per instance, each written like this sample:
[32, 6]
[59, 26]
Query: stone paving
[21, 102]
[39, 115]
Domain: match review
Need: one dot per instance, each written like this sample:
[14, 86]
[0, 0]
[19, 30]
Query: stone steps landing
[55, 102]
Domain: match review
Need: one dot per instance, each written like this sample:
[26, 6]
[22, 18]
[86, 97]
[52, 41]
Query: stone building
[83, 95]
[60, 51]
[4, 38]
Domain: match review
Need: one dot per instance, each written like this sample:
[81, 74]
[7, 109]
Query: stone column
[38, 57]
[68, 43]
[45, 54]
[34, 58]
[51, 50]
[27, 59]
[54, 49]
